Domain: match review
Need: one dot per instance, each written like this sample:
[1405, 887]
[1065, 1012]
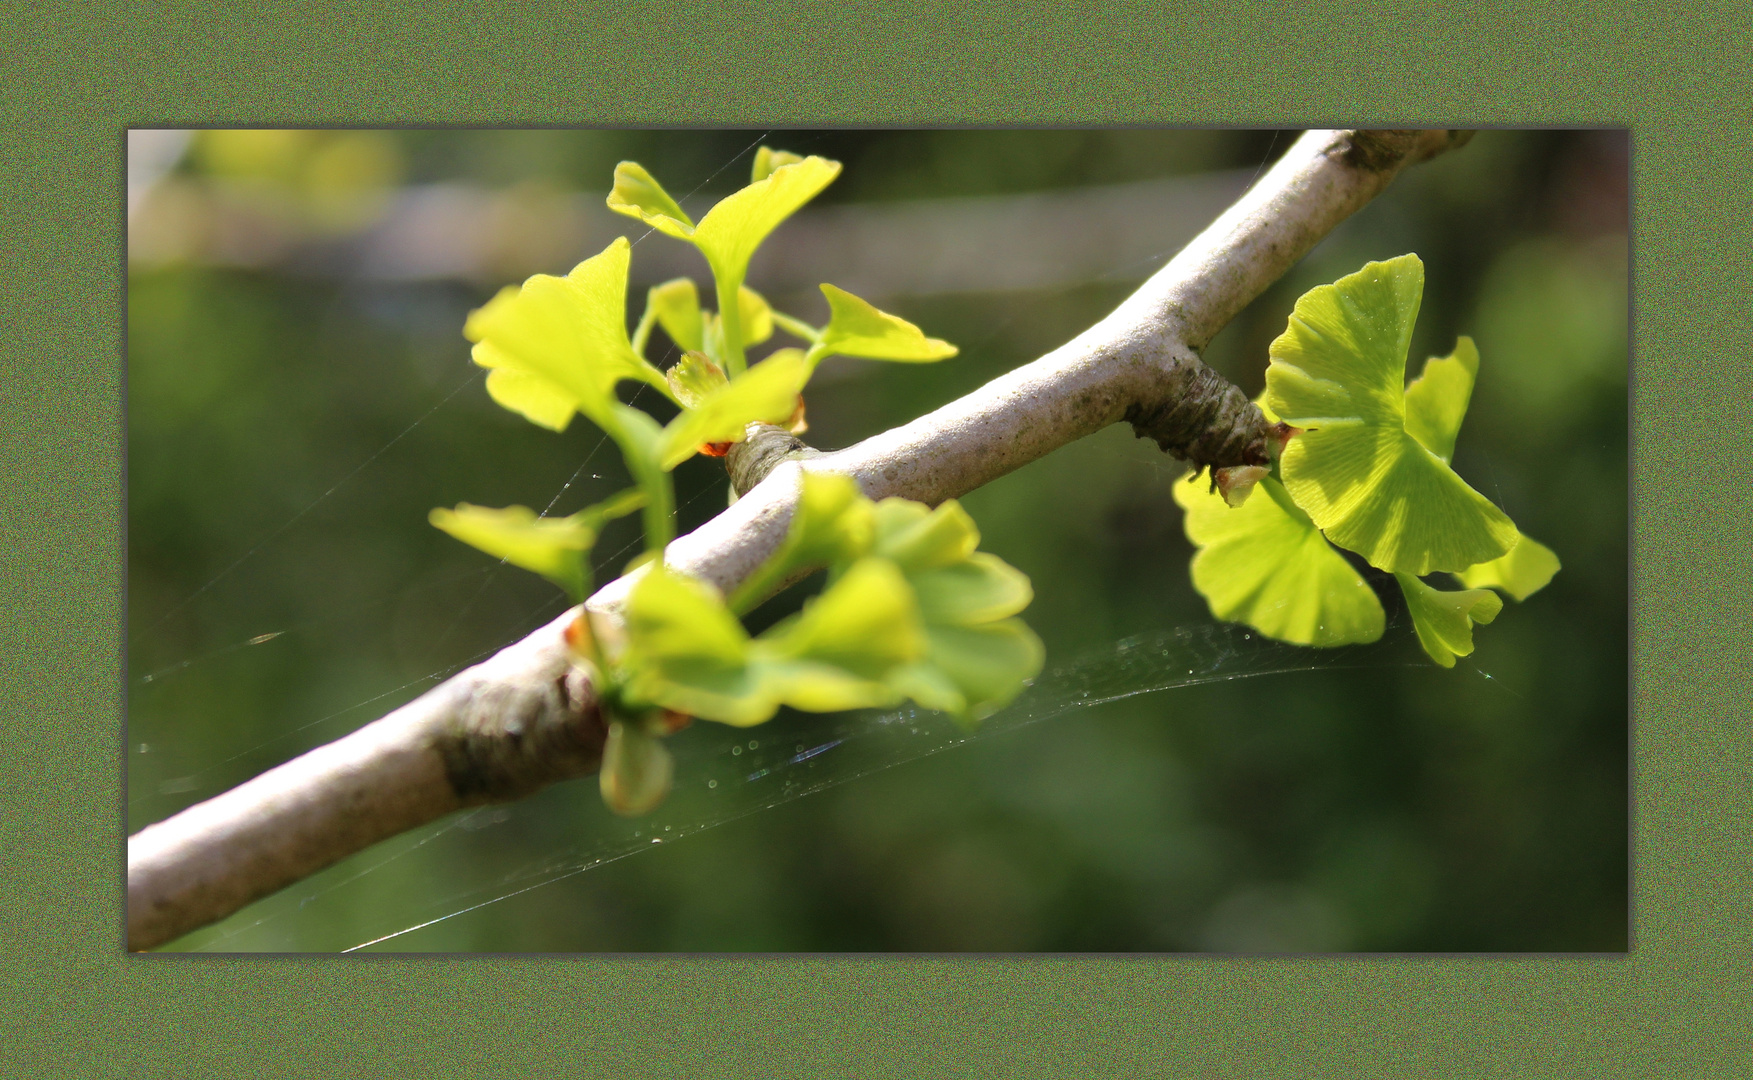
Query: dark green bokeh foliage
[1397, 807]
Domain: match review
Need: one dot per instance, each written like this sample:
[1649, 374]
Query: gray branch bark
[525, 719]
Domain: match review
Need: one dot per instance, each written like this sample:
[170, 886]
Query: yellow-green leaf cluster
[1369, 471]
[912, 609]
[685, 650]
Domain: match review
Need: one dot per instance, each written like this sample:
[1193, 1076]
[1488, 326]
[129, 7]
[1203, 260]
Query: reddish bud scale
[578, 636]
[670, 721]
[716, 449]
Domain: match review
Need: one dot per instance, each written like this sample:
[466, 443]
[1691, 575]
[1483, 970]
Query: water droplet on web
[754, 744]
[735, 750]
[711, 783]
[666, 828]
[657, 839]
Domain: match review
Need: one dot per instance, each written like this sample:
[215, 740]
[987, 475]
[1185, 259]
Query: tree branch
[525, 718]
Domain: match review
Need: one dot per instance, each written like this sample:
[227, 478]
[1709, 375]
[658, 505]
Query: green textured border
[72, 1004]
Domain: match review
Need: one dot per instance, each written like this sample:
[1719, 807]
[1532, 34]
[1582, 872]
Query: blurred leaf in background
[300, 395]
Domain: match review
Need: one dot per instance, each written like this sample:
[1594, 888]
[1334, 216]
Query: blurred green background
[300, 395]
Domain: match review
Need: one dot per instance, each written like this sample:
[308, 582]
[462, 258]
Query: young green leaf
[637, 195]
[866, 622]
[918, 538]
[530, 396]
[757, 317]
[565, 337]
[686, 651]
[636, 772]
[1444, 620]
[982, 588]
[552, 547]
[766, 392]
[971, 672]
[731, 231]
[857, 328]
[832, 526]
[972, 666]
[838, 653]
[1528, 567]
[1265, 564]
[766, 160]
[677, 304]
[1338, 372]
[1437, 400]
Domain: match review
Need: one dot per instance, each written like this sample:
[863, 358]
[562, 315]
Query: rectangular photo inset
[903, 541]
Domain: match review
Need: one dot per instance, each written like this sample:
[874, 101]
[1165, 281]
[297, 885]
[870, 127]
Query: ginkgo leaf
[1527, 569]
[980, 589]
[1338, 373]
[1437, 400]
[971, 672]
[566, 336]
[677, 307]
[838, 653]
[728, 235]
[857, 328]
[766, 160]
[1444, 620]
[765, 393]
[532, 397]
[731, 231]
[552, 547]
[686, 651]
[1265, 564]
[832, 526]
[918, 538]
[977, 660]
[637, 195]
[636, 771]
[866, 622]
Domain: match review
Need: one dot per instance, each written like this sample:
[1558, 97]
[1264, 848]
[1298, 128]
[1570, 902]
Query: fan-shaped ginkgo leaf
[1527, 569]
[857, 328]
[768, 159]
[1444, 620]
[1265, 564]
[1437, 400]
[832, 526]
[565, 338]
[552, 547]
[1338, 372]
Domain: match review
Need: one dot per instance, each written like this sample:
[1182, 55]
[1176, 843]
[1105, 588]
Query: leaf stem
[730, 318]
